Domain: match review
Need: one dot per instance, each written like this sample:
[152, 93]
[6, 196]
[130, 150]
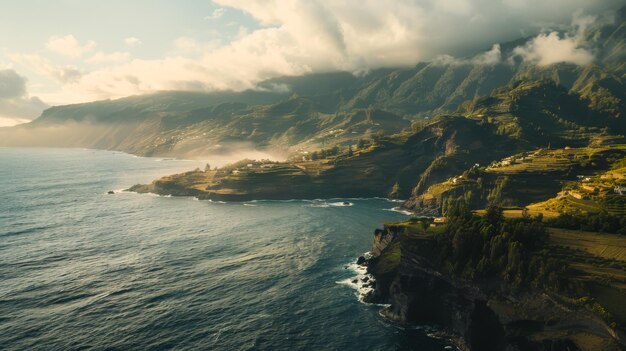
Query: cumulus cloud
[15, 105]
[132, 41]
[547, 49]
[69, 46]
[62, 73]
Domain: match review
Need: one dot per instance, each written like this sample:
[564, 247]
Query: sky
[58, 52]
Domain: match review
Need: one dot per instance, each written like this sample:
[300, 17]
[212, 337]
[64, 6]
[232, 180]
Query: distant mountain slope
[519, 118]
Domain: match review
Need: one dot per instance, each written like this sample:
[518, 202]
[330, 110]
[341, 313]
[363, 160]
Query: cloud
[187, 44]
[547, 49]
[12, 85]
[69, 46]
[217, 13]
[132, 41]
[294, 37]
[62, 73]
[490, 57]
[112, 57]
[15, 105]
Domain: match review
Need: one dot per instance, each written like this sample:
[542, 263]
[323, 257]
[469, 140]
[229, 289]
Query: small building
[576, 195]
[440, 220]
[620, 189]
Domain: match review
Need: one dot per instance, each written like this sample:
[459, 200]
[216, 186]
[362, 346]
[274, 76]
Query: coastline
[413, 290]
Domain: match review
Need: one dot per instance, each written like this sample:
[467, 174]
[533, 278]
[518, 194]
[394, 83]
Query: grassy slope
[527, 178]
[428, 155]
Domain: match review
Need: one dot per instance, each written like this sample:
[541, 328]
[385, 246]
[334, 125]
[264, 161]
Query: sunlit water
[81, 269]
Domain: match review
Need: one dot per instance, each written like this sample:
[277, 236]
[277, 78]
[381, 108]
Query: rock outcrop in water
[476, 316]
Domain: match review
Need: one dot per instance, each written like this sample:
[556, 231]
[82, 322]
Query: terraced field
[597, 260]
[551, 160]
[608, 246]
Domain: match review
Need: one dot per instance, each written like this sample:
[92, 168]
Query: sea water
[81, 269]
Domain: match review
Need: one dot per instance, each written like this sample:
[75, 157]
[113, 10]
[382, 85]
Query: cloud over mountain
[301, 36]
[15, 104]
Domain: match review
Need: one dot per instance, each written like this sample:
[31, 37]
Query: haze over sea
[81, 269]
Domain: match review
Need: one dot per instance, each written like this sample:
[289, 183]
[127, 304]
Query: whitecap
[216, 201]
[341, 204]
[399, 210]
[361, 287]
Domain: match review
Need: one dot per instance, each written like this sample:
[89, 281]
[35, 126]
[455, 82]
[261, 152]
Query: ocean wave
[28, 230]
[324, 204]
[399, 210]
[360, 282]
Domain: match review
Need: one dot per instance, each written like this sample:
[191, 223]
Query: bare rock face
[382, 238]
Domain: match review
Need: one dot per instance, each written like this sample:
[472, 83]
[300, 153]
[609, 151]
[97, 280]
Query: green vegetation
[578, 177]
[488, 247]
[389, 259]
[518, 256]
[601, 222]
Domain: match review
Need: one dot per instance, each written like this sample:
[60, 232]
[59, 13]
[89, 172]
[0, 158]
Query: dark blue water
[80, 269]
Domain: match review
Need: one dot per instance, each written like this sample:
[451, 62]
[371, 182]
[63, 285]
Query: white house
[620, 189]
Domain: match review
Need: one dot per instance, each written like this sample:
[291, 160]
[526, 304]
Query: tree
[376, 137]
[494, 213]
[207, 167]
[349, 150]
[361, 144]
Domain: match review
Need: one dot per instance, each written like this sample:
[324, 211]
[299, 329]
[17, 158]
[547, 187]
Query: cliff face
[477, 316]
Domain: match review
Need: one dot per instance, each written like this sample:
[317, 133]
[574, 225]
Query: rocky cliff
[477, 316]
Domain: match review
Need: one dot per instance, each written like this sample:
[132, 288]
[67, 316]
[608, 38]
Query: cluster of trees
[323, 153]
[363, 143]
[335, 150]
[511, 250]
[593, 222]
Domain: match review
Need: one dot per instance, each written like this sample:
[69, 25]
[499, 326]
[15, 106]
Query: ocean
[81, 269]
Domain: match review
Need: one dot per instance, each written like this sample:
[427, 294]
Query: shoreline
[331, 201]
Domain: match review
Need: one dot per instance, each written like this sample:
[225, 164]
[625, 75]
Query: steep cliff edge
[484, 313]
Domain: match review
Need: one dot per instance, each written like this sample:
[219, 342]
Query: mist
[124, 137]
